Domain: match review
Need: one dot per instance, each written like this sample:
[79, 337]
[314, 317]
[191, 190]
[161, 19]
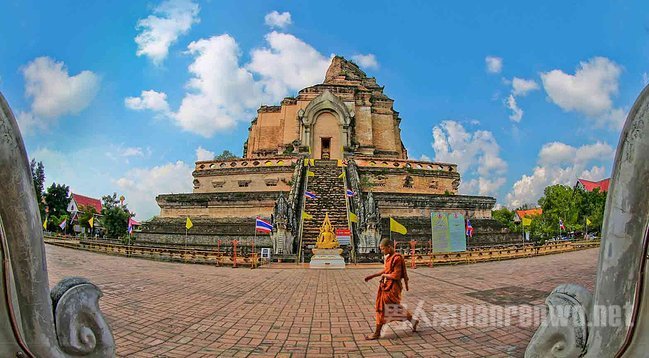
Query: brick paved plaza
[159, 309]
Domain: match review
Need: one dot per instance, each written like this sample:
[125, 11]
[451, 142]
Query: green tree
[505, 217]
[85, 213]
[591, 207]
[114, 216]
[38, 176]
[225, 155]
[559, 202]
[57, 199]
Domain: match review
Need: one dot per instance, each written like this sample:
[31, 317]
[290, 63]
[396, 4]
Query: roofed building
[588, 185]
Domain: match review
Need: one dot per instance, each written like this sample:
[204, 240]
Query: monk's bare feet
[372, 337]
[415, 322]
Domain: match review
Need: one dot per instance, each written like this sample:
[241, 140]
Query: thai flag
[350, 193]
[310, 195]
[263, 226]
[563, 227]
[469, 228]
[130, 226]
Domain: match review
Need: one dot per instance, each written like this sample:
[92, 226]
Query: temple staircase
[330, 189]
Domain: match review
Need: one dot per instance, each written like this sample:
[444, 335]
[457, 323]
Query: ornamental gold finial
[327, 238]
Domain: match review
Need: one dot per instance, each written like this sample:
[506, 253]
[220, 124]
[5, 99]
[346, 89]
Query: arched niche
[328, 110]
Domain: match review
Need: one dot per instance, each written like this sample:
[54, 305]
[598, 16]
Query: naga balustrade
[614, 320]
[34, 320]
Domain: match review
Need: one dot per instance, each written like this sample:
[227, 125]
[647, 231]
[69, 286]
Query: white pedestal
[327, 259]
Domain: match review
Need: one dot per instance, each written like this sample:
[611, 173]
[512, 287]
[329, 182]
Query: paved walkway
[159, 309]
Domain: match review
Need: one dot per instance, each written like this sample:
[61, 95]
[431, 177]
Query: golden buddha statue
[327, 238]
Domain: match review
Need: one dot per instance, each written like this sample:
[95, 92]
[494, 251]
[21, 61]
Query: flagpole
[390, 229]
[253, 246]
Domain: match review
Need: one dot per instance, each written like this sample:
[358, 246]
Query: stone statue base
[327, 259]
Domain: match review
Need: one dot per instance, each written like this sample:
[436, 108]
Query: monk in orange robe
[388, 298]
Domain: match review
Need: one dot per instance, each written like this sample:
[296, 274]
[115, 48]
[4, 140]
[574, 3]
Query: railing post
[234, 253]
[413, 244]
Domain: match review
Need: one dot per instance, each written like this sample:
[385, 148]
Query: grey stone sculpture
[614, 321]
[282, 236]
[34, 322]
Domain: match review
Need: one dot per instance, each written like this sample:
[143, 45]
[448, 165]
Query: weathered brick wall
[217, 205]
[487, 232]
[244, 175]
[404, 176]
[171, 231]
[418, 205]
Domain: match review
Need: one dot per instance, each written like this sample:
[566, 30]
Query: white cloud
[141, 185]
[560, 163]
[366, 61]
[288, 63]
[152, 100]
[54, 93]
[221, 92]
[517, 113]
[476, 154]
[588, 91]
[171, 19]
[277, 20]
[494, 64]
[132, 152]
[203, 154]
[521, 86]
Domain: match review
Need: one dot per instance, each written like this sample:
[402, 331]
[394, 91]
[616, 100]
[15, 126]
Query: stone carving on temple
[34, 321]
[283, 220]
[370, 235]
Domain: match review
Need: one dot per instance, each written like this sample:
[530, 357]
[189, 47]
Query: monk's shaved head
[386, 243]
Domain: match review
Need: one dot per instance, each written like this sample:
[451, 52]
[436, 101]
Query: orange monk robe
[388, 298]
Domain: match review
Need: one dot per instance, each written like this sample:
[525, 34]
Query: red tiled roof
[529, 212]
[87, 201]
[591, 185]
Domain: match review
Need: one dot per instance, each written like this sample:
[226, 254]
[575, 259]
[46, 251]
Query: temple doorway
[325, 148]
[326, 137]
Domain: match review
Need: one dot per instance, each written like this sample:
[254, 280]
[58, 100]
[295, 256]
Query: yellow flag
[396, 227]
[306, 216]
[527, 221]
[310, 173]
[188, 224]
[45, 224]
[588, 222]
[342, 175]
[91, 222]
[312, 162]
[352, 217]
[340, 162]
[309, 150]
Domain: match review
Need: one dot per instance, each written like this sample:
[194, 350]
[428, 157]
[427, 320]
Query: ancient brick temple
[338, 136]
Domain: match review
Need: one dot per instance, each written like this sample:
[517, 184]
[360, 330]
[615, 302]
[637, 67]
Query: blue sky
[521, 96]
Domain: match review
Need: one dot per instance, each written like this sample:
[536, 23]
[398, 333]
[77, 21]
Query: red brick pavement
[159, 309]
